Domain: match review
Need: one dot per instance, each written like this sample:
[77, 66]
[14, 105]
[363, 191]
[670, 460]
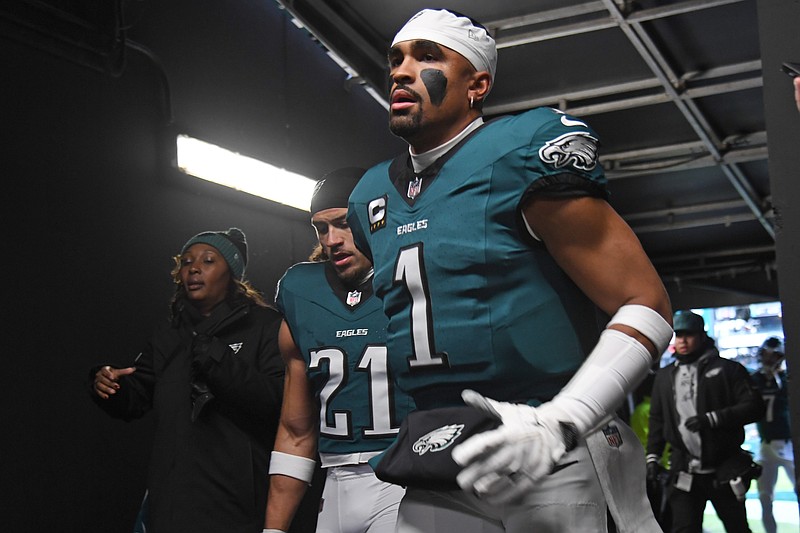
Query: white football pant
[355, 501]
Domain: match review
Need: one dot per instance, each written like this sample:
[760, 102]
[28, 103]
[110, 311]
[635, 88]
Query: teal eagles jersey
[342, 335]
[473, 300]
[774, 389]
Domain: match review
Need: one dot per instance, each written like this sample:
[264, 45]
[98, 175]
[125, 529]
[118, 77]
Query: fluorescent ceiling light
[214, 163]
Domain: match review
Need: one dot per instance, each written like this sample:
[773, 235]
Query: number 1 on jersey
[409, 271]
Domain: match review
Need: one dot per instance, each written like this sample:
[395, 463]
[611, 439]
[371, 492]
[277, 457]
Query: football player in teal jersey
[339, 399]
[776, 451]
[499, 262]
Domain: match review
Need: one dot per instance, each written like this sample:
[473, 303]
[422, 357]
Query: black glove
[653, 471]
[698, 422]
[205, 349]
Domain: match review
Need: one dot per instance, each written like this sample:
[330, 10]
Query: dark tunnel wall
[780, 42]
[94, 214]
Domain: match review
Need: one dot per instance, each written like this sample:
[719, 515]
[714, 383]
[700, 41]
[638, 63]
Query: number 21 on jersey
[340, 425]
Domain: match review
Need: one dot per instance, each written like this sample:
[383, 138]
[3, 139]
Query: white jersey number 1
[409, 271]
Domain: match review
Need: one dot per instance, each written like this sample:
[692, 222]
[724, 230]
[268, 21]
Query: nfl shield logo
[353, 298]
[612, 436]
[414, 187]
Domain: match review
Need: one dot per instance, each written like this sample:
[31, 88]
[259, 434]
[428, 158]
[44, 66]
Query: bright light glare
[213, 163]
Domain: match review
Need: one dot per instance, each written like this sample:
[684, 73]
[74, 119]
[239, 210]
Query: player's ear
[479, 85]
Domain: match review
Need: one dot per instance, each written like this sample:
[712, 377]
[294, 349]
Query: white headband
[454, 32]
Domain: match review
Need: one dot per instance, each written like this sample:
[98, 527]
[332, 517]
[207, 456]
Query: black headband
[333, 190]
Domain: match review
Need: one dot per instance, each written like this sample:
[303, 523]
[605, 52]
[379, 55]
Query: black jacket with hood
[216, 385]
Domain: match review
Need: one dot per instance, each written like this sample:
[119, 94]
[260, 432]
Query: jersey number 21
[340, 425]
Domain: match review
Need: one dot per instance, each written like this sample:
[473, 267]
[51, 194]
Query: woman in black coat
[214, 377]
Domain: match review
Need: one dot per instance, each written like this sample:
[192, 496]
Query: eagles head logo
[438, 439]
[578, 149]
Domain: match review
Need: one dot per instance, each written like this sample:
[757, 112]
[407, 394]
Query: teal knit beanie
[231, 244]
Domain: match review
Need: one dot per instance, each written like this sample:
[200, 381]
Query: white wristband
[265, 530]
[295, 466]
[647, 321]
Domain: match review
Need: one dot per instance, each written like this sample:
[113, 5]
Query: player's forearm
[289, 477]
[285, 495]
[297, 436]
[613, 369]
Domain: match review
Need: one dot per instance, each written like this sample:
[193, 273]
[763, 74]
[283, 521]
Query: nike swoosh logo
[562, 466]
[569, 122]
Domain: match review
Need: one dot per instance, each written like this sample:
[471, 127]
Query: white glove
[504, 464]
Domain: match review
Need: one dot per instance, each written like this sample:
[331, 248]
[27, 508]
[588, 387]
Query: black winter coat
[209, 474]
[723, 386]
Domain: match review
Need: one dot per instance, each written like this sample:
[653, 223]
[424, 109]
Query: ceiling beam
[722, 220]
[500, 27]
[675, 158]
[714, 254]
[677, 8]
[688, 282]
[686, 210]
[580, 102]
